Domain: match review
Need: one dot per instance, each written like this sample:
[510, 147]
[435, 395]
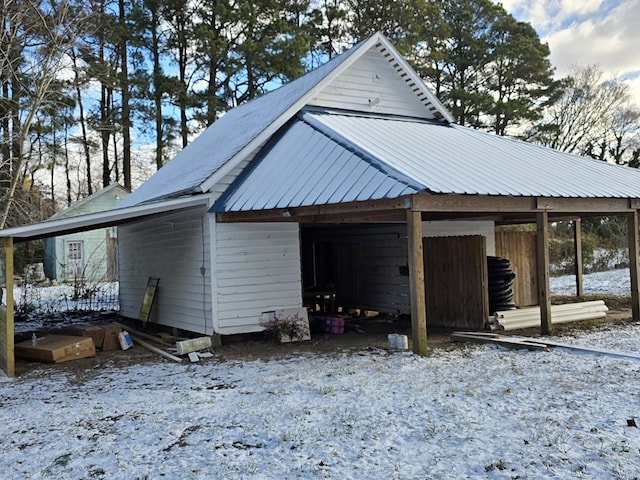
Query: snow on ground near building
[612, 282]
[470, 412]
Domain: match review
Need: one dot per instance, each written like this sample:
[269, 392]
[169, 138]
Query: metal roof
[90, 221]
[240, 131]
[330, 157]
[304, 166]
[460, 160]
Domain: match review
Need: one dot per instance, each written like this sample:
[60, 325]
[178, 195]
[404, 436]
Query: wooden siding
[520, 249]
[371, 85]
[257, 269]
[456, 281]
[174, 248]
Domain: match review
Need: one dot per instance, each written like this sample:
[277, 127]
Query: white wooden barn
[332, 182]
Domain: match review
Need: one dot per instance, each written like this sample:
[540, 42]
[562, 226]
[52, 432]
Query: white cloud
[587, 32]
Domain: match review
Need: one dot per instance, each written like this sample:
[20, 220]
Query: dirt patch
[360, 335]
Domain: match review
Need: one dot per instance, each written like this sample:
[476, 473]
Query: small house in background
[90, 255]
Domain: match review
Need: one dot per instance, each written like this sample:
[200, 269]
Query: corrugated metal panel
[244, 127]
[306, 167]
[459, 160]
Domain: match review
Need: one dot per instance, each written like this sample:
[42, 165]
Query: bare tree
[587, 115]
[35, 38]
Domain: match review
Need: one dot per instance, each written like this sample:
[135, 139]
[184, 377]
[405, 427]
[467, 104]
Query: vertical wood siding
[174, 248]
[371, 85]
[520, 249]
[456, 281]
[257, 270]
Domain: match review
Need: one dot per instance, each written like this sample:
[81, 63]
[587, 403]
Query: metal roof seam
[377, 163]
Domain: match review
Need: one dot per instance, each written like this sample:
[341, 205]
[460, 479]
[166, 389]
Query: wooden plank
[503, 341]
[7, 344]
[514, 341]
[416, 282]
[542, 268]
[153, 349]
[632, 227]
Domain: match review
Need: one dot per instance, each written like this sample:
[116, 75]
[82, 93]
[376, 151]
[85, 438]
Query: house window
[75, 260]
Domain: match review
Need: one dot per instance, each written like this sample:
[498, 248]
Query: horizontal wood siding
[257, 270]
[174, 248]
[520, 249]
[371, 85]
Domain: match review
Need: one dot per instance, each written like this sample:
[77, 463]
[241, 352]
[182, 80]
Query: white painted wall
[462, 227]
[372, 85]
[174, 247]
[257, 269]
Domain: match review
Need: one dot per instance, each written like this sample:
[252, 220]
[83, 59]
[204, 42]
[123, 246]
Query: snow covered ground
[612, 282]
[470, 412]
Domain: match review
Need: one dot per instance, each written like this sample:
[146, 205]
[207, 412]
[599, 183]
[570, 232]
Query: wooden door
[455, 274]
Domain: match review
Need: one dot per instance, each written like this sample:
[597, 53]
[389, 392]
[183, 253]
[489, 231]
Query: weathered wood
[503, 341]
[542, 268]
[153, 349]
[577, 244]
[520, 249]
[416, 282]
[632, 227]
[456, 281]
[7, 354]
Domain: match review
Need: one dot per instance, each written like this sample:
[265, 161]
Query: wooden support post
[577, 242]
[7, 358]
[632, 227]
[416, 283]
[542, 264]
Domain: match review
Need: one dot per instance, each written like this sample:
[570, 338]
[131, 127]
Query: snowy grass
[472, 412]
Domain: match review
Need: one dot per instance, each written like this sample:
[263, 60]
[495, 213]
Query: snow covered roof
[242, 130]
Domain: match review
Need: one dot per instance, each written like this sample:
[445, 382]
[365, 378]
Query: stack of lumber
[530, 316]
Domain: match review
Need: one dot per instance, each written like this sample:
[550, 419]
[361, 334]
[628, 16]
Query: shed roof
[330, 157]
[242, 130]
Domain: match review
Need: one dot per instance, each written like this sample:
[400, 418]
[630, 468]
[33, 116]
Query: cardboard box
[111, 342]
[56, 348]
[94, 331]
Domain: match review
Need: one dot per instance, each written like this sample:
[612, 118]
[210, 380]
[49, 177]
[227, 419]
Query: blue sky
[587, 32]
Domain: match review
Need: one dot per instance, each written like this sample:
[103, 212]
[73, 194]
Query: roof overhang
[500, 209]
[104, 219]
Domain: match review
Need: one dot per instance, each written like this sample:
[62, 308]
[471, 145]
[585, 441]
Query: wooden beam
[347, 209]
[496, 204]
[7, 355]
[632, 227]
[542, 264]
[416, 283]
[577, 242]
